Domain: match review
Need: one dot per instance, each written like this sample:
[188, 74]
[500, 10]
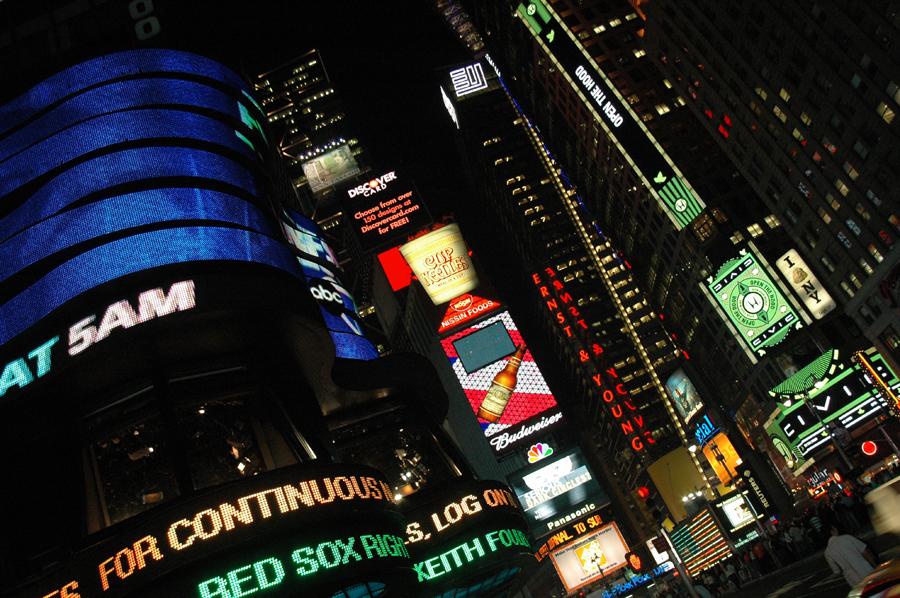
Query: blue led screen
[136, 161]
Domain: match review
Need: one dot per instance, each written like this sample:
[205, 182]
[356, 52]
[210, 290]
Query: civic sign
[844, 397]
[753, 303]
[805, 284]
[657, 171]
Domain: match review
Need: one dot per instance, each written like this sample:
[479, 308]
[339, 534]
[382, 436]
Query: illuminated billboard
[531, 407]
[684, 395]
[723, 457]
[700, 543]
[657, 171]
[840, 394]
[441, 263]
[557, 492]
[385, 210]
[805, 284]
[92, 131]
[322, 273]
[749, 298]
[588, 559]
[330, 168]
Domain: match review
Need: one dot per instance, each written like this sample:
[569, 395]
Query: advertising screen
[805, 284]
[92, 131]
[591, 557]
[441, 262]
[684, 395]
[531, 407]
[484, 346]
[700, 543]
[385, 210]
[558, 491]
[839, 392]
[330, 168]
[722, 456]
[677, 199]
[336, 304]
[749, 298]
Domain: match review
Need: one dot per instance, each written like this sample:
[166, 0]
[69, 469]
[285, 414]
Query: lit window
[667, 84]
[761, 93]
[633, 99]
[662, 109]
[785, 95]
[873, 251]
[842, 187]
[599, 28]
[855, 280]
[846, 288]
[855, 80]
[630, 16]
[680, 101]
[805, 119]
[824, 215]
[772, 221]
[799, 136]
[779, 113]
[737, 237]
[851, 171]
[832, 200]
[638, 52]
[826, 143]
[893, 90]
[755, 230]
[885, 112]
[865, 266]
[615, 22]
[829, 265]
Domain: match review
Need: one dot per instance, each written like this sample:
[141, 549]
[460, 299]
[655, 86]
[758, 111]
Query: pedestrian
[848, 555]
[732, 574]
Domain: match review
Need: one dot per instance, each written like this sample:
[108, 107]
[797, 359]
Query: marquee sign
[748, 297]
[657, 171]
[338, 514]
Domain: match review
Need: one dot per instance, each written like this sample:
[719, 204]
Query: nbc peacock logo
[538, 451]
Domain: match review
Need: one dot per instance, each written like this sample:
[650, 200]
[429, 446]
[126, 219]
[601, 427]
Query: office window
[866, 267]
[785, 95]
[893, 90]
[779, 113]
[885, 112]
[805, 119]
[755, 230]
[842, 187]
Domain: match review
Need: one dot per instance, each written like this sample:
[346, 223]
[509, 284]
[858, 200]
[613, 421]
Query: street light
[815, 411]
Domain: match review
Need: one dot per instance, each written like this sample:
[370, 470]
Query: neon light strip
[135, 63]
[125, 166]
[115, 214]
[122, 127]
[135, 254]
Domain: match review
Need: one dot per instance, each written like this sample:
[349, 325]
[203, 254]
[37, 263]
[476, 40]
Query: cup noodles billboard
[477, 353]
[440, 260]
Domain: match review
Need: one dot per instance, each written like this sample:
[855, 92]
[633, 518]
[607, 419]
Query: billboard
[531, 408]
[330, 168]
[322, 273]
[657, 171]
[749, 299]
[839, 392]
[441, 262]
[700, 543]
[805, 284]
[557, 492]
[590, 558]
[385, 210]
[92, 131]
[723, 457]
[684, 395]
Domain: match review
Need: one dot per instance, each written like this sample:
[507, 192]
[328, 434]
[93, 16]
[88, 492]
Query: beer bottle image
[504, 383]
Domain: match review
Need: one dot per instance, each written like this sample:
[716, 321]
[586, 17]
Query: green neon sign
[306, 561]
[469, 552]
[749, 298]
[656, 170]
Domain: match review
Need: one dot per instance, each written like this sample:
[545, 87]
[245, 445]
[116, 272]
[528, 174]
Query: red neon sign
[869, 448]
[610, 390]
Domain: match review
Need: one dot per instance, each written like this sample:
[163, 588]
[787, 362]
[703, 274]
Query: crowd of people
[837, 515]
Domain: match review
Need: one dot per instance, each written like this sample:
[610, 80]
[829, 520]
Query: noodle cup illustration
[441, 262]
